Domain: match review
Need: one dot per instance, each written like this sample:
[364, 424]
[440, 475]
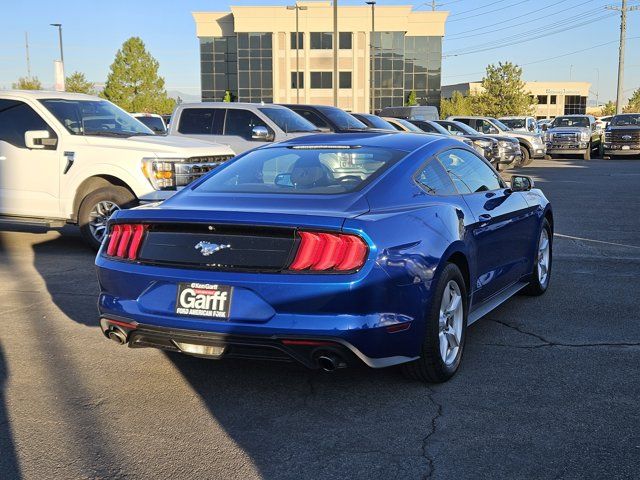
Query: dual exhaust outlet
[117, 335]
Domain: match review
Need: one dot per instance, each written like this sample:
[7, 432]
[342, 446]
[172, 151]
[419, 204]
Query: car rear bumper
[307, 350]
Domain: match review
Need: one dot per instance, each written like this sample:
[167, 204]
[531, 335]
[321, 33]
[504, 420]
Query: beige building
[554, 98]
[251, 52]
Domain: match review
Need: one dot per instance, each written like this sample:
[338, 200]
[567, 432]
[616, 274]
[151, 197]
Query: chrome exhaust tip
[328, 362]
[117, 335]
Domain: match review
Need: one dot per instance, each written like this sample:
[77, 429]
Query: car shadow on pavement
[74, 287]
[296, 423]
[9, 465]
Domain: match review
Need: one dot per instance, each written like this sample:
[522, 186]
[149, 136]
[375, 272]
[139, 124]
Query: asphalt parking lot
[549, 386]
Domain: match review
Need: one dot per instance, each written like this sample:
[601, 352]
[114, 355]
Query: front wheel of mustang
[446, 324]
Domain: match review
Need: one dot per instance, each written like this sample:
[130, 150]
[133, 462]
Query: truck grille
[195, 167]
[566, 137]
[623, 137]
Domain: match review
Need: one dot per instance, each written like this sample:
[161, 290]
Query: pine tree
[77, 82]
[411, 99]
[27, 83]
[504, 92]
[634, 103]
[227, 96]
[133, 82]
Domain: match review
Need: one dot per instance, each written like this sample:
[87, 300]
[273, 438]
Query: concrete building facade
[554, 98]
[251, 52]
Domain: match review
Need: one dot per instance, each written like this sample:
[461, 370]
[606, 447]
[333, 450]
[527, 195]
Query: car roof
[40, 94]
[406, 141]
[230, 105]
[143, 114]
[515, 117]
[316, 107]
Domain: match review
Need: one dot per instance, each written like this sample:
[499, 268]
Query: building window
[300, 82]
[344, 80]
[300, 40]
[575, 105]
[554, 99]
[542, 99]
[344, 40]
[218, 67]
[255, 67]
[321, 40]
[321, 79]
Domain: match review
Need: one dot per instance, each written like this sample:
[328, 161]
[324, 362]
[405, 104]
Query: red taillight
[125, 240]
[329, 252]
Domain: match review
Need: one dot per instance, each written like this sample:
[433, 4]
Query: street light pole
[59, 25]
[297, 8]
[373, 56]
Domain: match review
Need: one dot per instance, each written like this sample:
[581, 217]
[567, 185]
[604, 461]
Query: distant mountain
[186, 97]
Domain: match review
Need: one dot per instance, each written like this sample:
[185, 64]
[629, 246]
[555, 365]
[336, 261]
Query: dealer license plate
[204, 300]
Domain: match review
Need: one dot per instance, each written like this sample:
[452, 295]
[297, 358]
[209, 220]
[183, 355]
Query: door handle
[485, 217]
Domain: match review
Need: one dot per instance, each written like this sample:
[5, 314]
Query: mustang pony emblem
[207, 248]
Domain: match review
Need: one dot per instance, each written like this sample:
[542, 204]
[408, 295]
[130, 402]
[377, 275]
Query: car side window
[17, 118]
[241, 122]
[201, 121]
[434, 179]
[486, 127]
[468, 172]
[313, 118]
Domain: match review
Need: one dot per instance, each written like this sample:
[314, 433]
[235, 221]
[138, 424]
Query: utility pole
[335, 53]
[623, 9]
[372, 54]
[59, 25]
[297, 8]
[26, 44]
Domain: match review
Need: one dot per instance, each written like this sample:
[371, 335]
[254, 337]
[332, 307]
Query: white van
[74, 158]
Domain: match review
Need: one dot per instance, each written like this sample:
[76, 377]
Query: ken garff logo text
[208, 248]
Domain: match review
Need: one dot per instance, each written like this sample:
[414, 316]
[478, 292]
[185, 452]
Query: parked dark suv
[329, 119]
[622, 136]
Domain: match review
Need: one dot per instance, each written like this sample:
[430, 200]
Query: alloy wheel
[98, 217]
[543, 257]
[451, 318]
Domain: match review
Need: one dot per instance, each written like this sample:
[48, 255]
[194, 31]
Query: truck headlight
[161, 172]
[505, 144]
[483, 143]
[584, 136]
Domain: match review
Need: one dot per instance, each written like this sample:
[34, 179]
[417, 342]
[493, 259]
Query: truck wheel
[587, 154]
[601, 150]
[526, 156]
[446, 325]
[97, 207]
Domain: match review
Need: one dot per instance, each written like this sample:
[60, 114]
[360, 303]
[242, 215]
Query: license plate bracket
[204, 300]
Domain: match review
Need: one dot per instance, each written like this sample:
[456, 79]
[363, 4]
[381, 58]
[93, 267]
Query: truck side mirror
[545, 127]
[38, 139]
[261, 133]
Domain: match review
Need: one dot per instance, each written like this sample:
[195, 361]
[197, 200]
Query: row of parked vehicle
[72, 158]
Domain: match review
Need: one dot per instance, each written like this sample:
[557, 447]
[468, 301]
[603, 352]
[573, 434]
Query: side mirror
[261, 133]
[37, 139]
[545, 127]
[521, 183]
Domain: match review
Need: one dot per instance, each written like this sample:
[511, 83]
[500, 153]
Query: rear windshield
[377, 122]
[154, 123]
[343, 120]
[305, 170]
[288, 120]
[626, 120]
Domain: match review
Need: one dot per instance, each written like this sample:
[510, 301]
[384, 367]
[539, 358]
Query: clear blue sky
[93, 32]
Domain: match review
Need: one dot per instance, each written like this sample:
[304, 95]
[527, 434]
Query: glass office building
[251, 54]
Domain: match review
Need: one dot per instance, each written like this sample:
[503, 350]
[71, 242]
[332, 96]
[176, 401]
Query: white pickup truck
[74, 158]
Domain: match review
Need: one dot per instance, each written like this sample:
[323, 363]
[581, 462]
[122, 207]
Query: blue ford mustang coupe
[328, 250]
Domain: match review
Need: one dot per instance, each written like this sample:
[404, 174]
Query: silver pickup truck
[574, 134]
[531, 144]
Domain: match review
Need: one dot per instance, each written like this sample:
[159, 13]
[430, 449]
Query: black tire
[120, 196]
[587, 155]
[601, 150]
[536, 287]
[526, 156]
[430, 367]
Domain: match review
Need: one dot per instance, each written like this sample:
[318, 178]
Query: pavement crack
[549, 343]
[425, 441]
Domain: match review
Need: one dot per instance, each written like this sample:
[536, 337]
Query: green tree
[77, 83]
[503, 92]
[458, 104]
[411, 99]
[608, 108]
[634, 102]
[227, 96]
[133, 82]
[27, 83]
